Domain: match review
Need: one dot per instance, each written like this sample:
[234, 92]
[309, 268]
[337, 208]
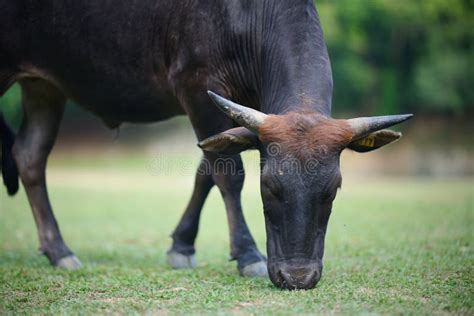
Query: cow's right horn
[243, 115]
[363, 126]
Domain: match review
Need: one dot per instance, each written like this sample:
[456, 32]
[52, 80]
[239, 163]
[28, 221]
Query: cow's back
[131, 60]
[108, 56]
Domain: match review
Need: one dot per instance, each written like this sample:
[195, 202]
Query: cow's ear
[232, 141]
[374, 140]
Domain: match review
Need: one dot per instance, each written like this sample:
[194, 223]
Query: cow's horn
[243, 115]
[362, 126]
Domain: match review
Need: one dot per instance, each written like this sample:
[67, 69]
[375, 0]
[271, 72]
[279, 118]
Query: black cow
[149, 60]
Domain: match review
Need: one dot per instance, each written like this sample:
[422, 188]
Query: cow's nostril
[299, 278]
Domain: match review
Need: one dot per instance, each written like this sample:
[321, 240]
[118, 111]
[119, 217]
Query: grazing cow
[149, 60]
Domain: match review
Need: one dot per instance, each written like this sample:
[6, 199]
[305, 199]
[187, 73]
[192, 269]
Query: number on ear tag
[368, 141]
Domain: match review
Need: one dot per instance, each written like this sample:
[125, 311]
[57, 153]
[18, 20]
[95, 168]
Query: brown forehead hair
[305, 133]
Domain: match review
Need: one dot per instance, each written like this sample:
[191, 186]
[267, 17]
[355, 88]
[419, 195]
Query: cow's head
[299, 178]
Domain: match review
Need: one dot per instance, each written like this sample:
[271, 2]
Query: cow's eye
[272, 186]
[330, 195]
[332, 189]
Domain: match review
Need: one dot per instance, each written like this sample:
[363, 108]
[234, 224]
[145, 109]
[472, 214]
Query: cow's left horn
[362, 126]
[243, 115]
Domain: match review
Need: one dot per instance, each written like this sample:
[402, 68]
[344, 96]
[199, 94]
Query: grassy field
[394, 246]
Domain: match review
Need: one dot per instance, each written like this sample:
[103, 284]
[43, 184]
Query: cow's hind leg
[181, 254]
[43, 109]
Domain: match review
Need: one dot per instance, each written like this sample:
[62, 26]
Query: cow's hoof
[256, 269]
[70, 262]
[180, 261]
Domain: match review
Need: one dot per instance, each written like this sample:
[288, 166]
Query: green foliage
[391, 56]
[396, 246]
[10, 105]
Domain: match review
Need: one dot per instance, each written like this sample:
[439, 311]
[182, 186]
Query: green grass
[394, 246]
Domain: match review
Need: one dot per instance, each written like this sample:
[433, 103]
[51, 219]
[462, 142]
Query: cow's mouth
[295, 276]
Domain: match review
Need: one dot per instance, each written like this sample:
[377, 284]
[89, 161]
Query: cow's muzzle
[295, 275]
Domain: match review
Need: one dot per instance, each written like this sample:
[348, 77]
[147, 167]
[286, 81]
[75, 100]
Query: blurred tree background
[401, 56]
[389, 56]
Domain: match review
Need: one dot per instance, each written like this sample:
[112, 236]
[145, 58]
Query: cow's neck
[276, 59]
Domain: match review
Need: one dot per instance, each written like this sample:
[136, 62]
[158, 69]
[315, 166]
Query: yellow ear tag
[368, 141]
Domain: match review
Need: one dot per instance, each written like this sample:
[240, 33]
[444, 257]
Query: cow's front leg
[207, 121]
[228, 174]
[181, 254]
